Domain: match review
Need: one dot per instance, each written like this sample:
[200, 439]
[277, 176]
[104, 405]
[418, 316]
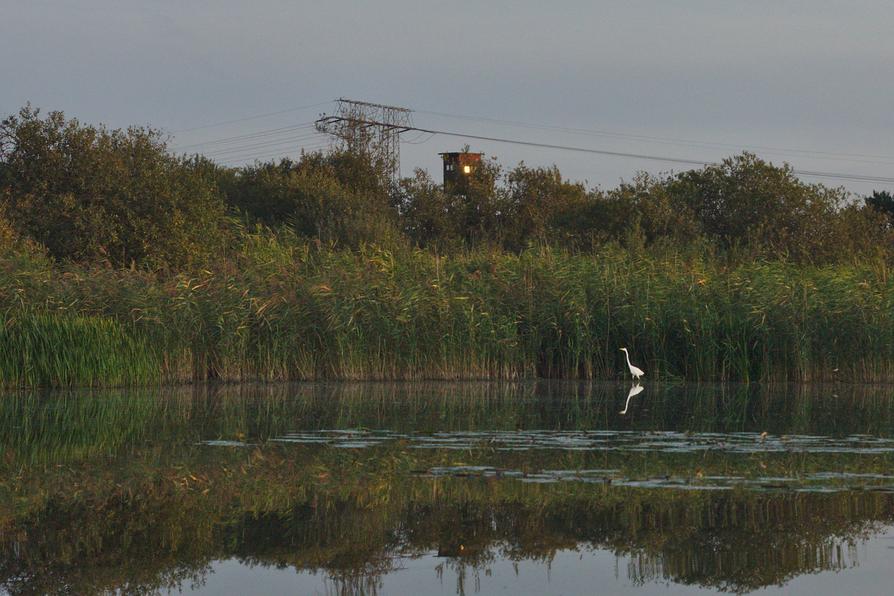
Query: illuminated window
[467, 169]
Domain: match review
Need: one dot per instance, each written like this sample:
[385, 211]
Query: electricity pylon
[369, 129]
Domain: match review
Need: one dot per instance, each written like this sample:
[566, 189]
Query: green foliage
[9, 237]
[336, 198]
[883, 203]
[482, 216]
[733, 271]
[278, 308]
[94, 195]
[58, 350]
[747, 200]
[539, 202]
[472, 213]
[118, 197]
[646, 205]
[744, 207]
[431, 217]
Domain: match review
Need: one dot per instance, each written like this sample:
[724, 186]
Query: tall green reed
[61, 350]
[281, 310]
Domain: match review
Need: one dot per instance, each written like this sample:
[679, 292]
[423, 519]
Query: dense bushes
[97, 196]
[746, 200]
[338, 199]
[882, 202]
[742, 206]
[94, 195]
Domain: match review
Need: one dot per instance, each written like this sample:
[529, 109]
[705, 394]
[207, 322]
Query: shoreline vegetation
[287, 313]
[124, 264]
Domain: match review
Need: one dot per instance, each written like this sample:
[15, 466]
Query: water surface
[443, 488]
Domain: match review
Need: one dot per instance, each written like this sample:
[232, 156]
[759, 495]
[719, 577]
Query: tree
[429, 215]
[336, 198]
[882, 201]
[538, 199]
[481, 206]
[88, 194]
[745, 200]
[647, 205]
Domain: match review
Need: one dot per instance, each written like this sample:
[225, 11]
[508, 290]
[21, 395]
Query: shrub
[883, 203]
[538, 199]
[745, 200]
[430, 216]
[91, 194]
[336, 198]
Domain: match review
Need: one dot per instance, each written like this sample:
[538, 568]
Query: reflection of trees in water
[462, 568]
[139, 505]
[728, 541]
[363, 583]
[733, 569]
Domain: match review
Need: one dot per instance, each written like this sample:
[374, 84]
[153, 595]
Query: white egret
[635, 372]
[635, 390]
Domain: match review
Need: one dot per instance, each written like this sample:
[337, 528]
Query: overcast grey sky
[814, 75]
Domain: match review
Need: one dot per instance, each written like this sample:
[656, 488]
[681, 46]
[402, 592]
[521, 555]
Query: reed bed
[63, 350]
[276, 310]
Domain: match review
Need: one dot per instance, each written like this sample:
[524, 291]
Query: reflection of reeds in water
[70, 425]
[300, 314]
[58, 428]
[362, 584]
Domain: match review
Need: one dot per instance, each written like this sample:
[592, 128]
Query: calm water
[543, 488]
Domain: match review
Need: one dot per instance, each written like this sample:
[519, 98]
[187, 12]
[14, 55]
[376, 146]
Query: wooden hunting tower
[458, 167]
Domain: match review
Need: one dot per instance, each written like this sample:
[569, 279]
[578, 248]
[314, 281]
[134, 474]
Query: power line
[275, 151]
[381, 143]
[643, 156]
[235, 144]
[248, 136]
[840, 176]
[839, 156]
[265, 145]
[421, 139]
[256, 117]
[267, 155]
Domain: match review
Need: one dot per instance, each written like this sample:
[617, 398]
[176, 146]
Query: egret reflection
[634, 390]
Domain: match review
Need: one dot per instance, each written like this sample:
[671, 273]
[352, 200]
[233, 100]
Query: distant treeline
[121, 197]
[122, 262]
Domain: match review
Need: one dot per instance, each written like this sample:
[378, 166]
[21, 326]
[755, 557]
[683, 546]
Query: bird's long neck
[627, 355]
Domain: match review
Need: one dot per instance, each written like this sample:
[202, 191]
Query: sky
[808, 82]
